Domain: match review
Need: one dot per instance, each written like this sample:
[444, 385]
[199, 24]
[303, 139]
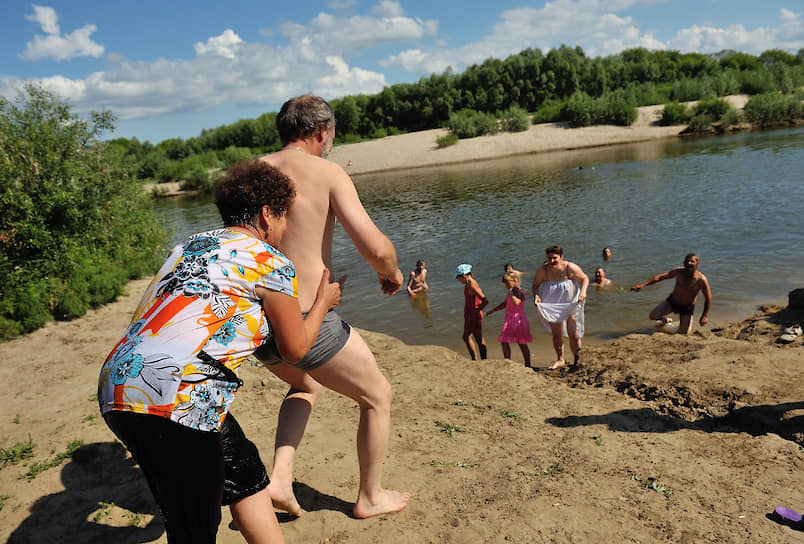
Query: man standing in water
[559, 290]
[689, 282]
[340, 359]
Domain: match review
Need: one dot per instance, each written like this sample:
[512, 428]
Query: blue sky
[174, 67]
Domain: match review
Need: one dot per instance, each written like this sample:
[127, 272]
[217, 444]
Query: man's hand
[704, 320]
[536, 300]
[391, 285]
[636, 288]
[330, 292]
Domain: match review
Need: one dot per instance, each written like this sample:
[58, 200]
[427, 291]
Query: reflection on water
[736, 201]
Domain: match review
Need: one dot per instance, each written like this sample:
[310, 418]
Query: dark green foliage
[549, 112]
[715, 108]
[469, 124]
[76, 225]
[773, 109]
[612, 108]
[448, 140]
[515, 119]
[676, 114]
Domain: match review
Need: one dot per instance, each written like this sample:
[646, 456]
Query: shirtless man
[600, 278]
[340, 359]
[417, 281]
[562, 284]
[689, 282]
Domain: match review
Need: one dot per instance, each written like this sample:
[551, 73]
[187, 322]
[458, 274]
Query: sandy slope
[537, 457]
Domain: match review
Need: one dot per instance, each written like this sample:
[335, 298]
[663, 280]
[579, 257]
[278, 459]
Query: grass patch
[103, 512]
[448, 428]
[17, 452]
[458, 464]
[90, 418]
[598, 440]
[446, 141]
[508, 414]
[37, 468]
[653, 483]
[555, 468]
[3, 500]
[16, 420]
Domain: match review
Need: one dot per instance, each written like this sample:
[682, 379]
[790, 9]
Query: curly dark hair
[249, 185]
[302, 116]
[554, 249]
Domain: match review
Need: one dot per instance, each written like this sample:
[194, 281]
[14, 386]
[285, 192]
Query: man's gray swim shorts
[332, 336]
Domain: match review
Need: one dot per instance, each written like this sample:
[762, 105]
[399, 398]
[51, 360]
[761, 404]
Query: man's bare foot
[561, 363]
[389, 501]
[284, 499]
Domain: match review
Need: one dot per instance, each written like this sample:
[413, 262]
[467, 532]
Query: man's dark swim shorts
[680, 309]
[332, 336]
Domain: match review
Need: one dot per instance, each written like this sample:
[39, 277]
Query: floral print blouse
[197, 322]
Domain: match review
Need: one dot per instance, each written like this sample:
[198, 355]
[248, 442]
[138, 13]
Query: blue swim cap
[463, 269]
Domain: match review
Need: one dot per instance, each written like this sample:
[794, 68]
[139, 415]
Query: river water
[737, 201]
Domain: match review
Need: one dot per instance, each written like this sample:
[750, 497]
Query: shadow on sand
[754, 420]
[98, 474]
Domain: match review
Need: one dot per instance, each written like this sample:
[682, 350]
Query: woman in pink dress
[516, 328]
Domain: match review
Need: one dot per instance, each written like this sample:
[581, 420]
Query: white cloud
[56, 46]
[225, 45]
[599, 30]
[46, 17]
[351, 35]
[709, 39]
[388, 8]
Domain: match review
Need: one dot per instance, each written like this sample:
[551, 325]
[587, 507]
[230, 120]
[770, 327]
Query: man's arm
[374, 246]
[654, 279]
[707, 293]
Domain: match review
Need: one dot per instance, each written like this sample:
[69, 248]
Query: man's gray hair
[300, 117]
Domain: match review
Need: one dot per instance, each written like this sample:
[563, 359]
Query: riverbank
[419, 149]
[653, 438]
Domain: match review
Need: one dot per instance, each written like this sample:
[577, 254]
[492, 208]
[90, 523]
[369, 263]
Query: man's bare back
[324, 193]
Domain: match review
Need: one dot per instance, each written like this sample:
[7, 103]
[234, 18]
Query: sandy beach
[651, 438]
[715, 420]
[419, 149]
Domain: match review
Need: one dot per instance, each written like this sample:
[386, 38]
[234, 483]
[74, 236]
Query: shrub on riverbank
[773, 109]
[75, 223]
[469, 124]
[612, 108]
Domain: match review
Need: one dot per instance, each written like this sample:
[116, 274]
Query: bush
[446, 141]
[676, 114]
[76, 225]
[579, 110]
[731, 118]
[469, 124]
[515, 119]
[773, 109]
[714, 108]
[549, 112]
[686, 90]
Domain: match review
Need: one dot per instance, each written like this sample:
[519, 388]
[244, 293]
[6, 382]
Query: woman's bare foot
[284, 499]
[561, 363]
[388, 501]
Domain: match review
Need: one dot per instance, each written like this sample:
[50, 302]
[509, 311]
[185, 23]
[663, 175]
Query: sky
[171, 68]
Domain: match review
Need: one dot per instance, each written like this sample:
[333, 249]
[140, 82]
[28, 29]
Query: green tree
[75, 225]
